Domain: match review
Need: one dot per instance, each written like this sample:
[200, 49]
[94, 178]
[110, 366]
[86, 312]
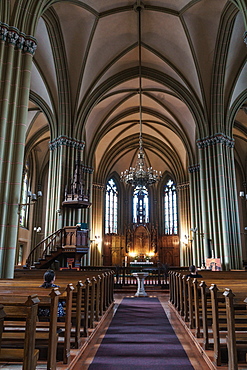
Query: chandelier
[141, 174]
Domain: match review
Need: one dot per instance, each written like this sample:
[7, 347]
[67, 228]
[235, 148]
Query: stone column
[220, 215]
[86, 214]
[97, 224]
[16, 55]
[196, 233]
[184, 223]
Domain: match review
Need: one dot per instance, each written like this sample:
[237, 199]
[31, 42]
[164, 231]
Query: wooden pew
[67, 331]
[15, 308]
[108, 284]
[236, 341]
[2, 316]
[94, 297]
[207, 307]
[210, 310]
[65, 294]
[49, 299]
[98, 292]
[77, 313]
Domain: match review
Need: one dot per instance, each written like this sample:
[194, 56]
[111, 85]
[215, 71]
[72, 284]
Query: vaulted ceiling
[85, 80]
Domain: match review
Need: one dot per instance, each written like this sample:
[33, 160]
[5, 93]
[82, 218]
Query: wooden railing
[45, 247]
[157, 276]
[67, 239]
[123, 275]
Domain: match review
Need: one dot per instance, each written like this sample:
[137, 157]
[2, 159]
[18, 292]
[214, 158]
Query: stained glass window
[111, 207]
[170, 208]
[140, 205]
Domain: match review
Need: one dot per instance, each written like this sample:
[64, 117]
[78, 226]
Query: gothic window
[170, 207]
[24, 210]
[140, 205]
[111, 207]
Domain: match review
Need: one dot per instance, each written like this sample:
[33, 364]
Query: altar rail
[156, 277]
[123, 275]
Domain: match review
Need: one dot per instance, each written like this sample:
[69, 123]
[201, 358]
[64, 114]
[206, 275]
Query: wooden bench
[236, 340]
[107, 281]
[210, 310]
[15, 308]
[205, 309]
[11, 287]
[48, 299]
[107, 278]
[95, 297]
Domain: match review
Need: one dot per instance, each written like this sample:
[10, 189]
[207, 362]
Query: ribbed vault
[85, 77]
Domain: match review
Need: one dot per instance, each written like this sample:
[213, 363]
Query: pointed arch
[111, 206]
[170, 205]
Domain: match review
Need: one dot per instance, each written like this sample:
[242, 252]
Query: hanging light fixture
[141, 174]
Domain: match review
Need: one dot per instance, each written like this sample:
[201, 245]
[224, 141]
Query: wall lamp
[37, 229]
[243, 195]
[33, 199]
[97, 239]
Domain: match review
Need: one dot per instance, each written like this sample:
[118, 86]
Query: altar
[141, 264]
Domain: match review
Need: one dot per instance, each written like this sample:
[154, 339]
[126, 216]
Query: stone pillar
[184, 223]
[16, 55]
[97, 225]
[196, 233]
[86, 214]
[220, 215]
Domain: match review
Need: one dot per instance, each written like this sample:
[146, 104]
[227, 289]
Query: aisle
[140, 336]
[195, 357]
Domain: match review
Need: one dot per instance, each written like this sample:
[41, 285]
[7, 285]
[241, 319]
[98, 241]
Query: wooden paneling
[114, 248]
[169, 250]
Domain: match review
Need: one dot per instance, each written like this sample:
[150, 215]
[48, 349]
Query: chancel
[123, 131]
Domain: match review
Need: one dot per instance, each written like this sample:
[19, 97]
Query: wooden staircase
[68, 242]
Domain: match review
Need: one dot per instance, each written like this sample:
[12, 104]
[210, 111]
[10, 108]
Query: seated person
[193, 272]
[49, 279]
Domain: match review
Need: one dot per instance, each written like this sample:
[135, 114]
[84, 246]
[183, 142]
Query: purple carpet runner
[140, 336]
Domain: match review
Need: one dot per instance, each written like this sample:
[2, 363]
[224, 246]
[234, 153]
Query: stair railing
[45, 247]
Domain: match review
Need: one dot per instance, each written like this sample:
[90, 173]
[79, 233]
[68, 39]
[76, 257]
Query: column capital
[20, 40]
[219, 138]
[87, 169]
[194, 168]
[66, 141]
[98, 186]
